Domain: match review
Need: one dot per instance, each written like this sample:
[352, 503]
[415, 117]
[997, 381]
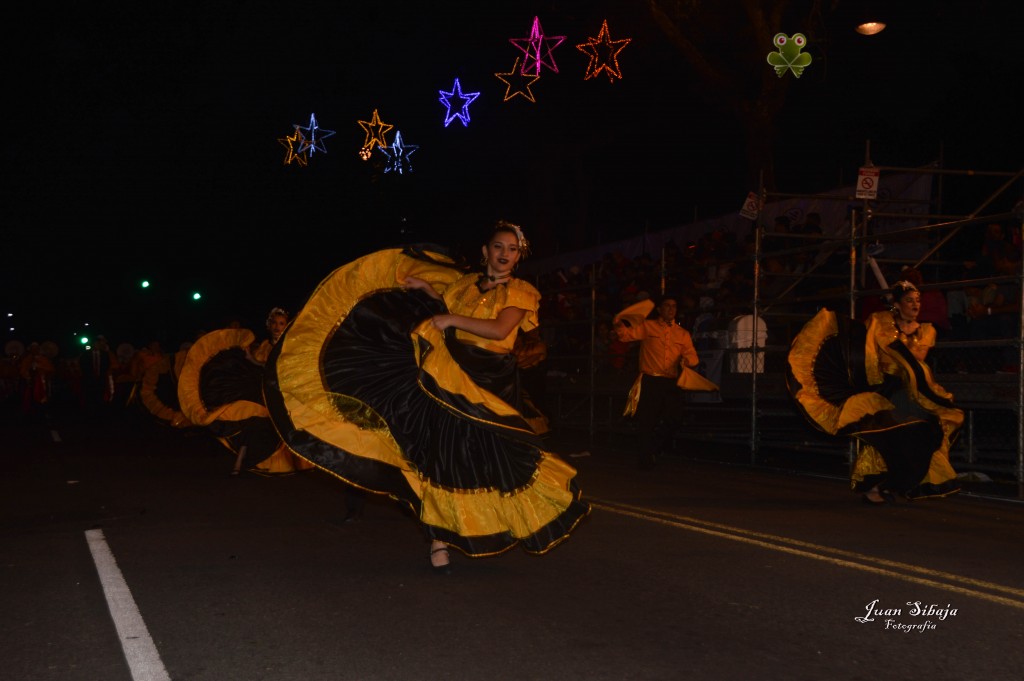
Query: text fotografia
[887, 616]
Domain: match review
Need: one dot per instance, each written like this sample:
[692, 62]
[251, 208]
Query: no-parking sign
[867, 183]
[751, 207]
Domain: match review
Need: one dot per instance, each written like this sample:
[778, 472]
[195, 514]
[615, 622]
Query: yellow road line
[839, 557]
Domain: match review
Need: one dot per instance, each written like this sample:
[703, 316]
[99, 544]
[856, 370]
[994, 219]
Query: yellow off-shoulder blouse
[465, 298]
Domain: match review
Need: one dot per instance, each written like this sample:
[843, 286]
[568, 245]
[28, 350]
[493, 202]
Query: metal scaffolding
[577, 383]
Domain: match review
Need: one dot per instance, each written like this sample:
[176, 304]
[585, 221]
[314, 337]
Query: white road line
[139, 650]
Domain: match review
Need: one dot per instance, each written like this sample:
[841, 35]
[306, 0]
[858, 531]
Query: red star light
[603, 53]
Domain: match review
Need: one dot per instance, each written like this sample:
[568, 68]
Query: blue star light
[398, 155]
[463, 109]
[313, 139]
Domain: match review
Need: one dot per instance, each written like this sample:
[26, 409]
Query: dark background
[142, 140]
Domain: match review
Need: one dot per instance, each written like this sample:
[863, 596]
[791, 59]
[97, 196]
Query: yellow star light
[603, 53]
[375, 129]
[520, 82]
[289, 144]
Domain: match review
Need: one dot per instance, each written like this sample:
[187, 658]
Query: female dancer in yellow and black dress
[398, 377]
[898, 348]
[277, 322]
[282, 461]
[221, 388]
[872, 383]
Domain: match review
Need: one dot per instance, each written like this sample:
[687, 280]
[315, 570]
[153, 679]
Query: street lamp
[870, 27]
[870, 19]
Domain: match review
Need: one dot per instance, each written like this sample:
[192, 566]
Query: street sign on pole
[867, 183]
[751, 207]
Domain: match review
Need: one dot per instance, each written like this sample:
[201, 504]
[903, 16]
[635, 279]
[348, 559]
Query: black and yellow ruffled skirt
[364, 386]
[826, 377]
[221, 389]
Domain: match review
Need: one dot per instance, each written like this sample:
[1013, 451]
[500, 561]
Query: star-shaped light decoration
[291, 154]
[375, 129]
[398, 155]
[465, 100]
[603, 53]
[517, 83]
[538, 49]
[313, 137]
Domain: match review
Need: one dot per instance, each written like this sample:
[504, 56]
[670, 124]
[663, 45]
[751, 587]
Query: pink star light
[538, 49]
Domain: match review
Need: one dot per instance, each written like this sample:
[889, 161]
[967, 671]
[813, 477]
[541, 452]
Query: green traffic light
[196, 296]
[83, 340]
[145, 283]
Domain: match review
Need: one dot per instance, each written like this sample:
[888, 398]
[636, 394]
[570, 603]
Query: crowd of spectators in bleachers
[712, 279]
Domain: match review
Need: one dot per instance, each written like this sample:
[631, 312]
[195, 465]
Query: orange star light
[603, 53]
[375, 129]
[289, 144]
[519, 81]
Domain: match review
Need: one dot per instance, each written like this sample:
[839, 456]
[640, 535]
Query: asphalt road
[694, 570]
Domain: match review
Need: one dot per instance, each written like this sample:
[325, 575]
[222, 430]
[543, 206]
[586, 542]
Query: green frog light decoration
[789, 55]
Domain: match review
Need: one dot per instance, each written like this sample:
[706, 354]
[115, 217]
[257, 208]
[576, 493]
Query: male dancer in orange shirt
[666, 351]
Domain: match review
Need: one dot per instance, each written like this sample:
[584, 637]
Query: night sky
[142, 140]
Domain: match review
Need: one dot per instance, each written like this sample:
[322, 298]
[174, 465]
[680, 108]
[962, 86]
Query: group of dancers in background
[399, 377]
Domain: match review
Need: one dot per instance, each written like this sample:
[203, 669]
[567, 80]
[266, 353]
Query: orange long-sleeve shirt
[664, 347]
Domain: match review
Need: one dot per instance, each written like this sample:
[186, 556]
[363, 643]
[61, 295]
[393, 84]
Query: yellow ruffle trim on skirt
[152, 402]
[483, 512]
[802, 354]
[188, 382]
